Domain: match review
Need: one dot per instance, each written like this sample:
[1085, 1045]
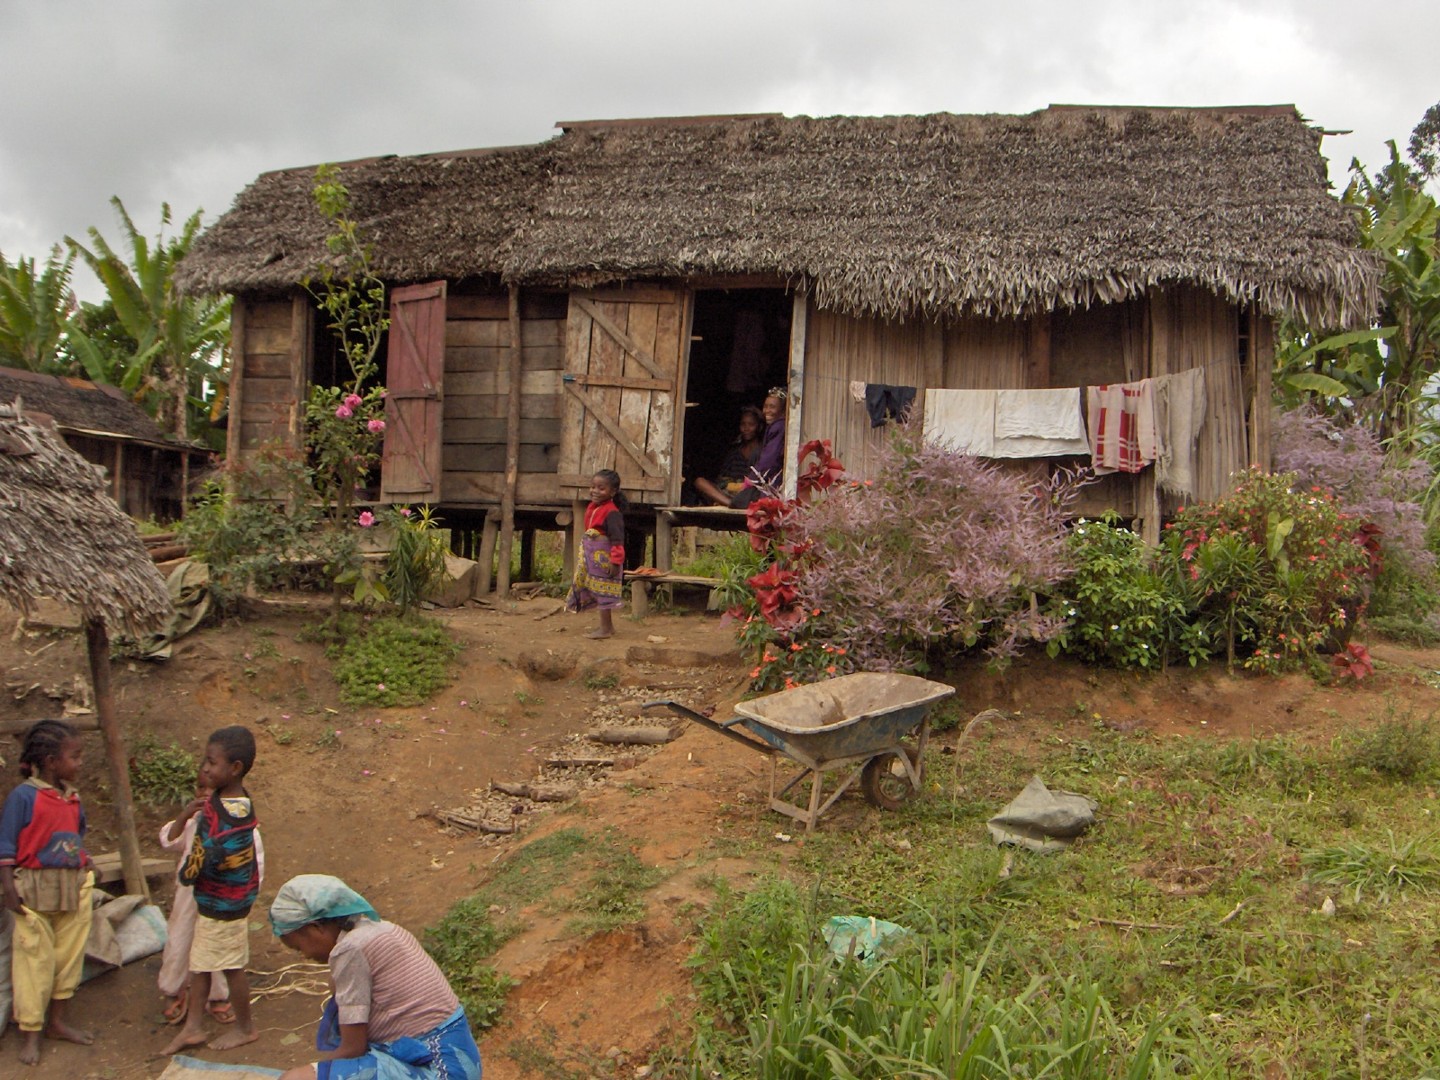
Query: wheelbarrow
[854, 723]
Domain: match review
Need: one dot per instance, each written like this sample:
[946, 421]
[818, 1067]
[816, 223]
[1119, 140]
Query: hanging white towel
[962, 420]
[857, 392]
[1039, 423]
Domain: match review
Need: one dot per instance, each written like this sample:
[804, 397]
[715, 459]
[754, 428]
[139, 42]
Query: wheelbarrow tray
[853, 717]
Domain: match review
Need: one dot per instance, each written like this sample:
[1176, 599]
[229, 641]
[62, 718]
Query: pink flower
[375, 425]
[380, 686]
[366, 519]
[353, 401]
[344, 412]
[405, 512]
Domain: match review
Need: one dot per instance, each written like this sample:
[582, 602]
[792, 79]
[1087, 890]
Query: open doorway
[740, 348]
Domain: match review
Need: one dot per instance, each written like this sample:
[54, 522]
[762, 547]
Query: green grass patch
[162, 774]
[392, 661]
[1183, 935]
[460, 943]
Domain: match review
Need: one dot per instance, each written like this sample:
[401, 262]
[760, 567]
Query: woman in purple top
[769, 467]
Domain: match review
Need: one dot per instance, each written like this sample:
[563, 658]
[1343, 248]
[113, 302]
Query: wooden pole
[512, 449]
[236, 405]
[97, 644]
[794, 417]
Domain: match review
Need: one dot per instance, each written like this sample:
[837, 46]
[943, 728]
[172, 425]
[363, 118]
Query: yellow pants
[49, 951]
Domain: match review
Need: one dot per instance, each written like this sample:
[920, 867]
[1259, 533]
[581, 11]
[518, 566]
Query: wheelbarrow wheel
[885, 781]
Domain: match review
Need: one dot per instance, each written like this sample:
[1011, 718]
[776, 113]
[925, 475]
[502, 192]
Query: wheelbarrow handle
[726, 728]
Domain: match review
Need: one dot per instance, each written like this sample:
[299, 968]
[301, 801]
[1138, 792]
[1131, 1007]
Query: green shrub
[1381, 871]
[1400, 748]
[162, 774]
[460, 943]
[1278, 574]
[393, 661]
[1121, 606]
[417, 555]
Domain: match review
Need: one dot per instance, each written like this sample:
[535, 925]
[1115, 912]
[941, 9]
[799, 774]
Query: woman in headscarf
[393, 1015]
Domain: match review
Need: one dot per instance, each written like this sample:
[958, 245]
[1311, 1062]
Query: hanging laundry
[857, 391]
[1122, 427]
[885, 402]
[962, 420]
[1039, 423]
[1180, 406]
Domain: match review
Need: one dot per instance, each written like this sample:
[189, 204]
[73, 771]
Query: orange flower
[831, 669]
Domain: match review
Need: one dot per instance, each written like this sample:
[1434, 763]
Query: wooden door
[414, 384]
[623, 351]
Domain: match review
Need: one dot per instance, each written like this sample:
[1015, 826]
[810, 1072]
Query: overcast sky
[186, 101]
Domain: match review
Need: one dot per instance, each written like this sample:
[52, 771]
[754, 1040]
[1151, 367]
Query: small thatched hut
[608, 298]
[147, 472]
[63, 537]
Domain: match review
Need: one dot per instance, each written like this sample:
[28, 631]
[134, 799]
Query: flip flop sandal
[222, 1011]
[176, 1010]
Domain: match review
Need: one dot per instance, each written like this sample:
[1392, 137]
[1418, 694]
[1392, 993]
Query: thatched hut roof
[81, 406]
[63, 537]
[940, 215]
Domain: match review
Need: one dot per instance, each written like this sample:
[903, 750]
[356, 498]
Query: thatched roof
[63, 537]
[893, 216]
[80, 406]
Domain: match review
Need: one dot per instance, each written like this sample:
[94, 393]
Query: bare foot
[30, 1048]
[231, 1039]
[184, 1041]
[58, 1029]
[599, 635]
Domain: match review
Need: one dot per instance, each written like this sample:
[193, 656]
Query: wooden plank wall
[1190, 327]
[268, 407]
[839, 349]
[477, 388]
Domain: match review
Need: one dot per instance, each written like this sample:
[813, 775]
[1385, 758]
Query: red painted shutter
[414, 383]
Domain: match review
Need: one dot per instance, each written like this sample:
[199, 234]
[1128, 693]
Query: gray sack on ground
[1041, 819]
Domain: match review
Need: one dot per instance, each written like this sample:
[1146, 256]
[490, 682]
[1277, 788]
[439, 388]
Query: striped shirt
[384, 978]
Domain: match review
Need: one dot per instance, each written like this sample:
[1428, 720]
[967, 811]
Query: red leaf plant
[765, 518]
[776, 594]
[1353, 662]
[820, 474]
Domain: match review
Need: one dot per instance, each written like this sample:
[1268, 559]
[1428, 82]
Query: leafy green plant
[460, 943]
[597, 681]
[162, 774]
[417, 555]
[393, 661]
[1121, 606]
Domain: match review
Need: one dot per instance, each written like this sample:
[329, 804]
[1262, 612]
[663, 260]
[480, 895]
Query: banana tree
[179, 341]
[35, 310]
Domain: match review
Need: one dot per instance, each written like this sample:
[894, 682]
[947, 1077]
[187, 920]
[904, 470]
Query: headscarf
[311, 897]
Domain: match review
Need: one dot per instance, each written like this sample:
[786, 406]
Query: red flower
[763, 518]
[820, 474]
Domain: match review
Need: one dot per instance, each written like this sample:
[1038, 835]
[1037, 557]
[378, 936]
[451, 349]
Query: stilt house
[574, 305]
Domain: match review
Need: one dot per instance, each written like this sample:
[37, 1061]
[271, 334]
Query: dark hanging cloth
[884, 402]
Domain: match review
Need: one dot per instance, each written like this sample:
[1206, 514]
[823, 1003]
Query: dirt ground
[357, 803]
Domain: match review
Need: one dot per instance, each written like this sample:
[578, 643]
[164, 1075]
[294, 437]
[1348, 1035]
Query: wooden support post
[97, 644]
[486, 558]
[512, 448]
[574, 529]
[1262, 366]
[664, 540]
[527, 554]
[236, 404]
[639, 598]
[302, 352]
[117, 479]
[800, 310]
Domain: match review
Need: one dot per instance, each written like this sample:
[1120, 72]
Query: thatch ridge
[80, 405]
[63, 537]
[938, 215]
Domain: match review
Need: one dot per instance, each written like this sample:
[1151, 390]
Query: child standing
[601, 574]
[46, 880]
[225, 874]
[174, 979]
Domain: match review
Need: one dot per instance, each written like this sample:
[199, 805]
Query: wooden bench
[640, 585]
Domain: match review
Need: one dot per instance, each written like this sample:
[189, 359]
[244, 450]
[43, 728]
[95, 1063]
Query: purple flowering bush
[1348, 460]
[939, 554]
